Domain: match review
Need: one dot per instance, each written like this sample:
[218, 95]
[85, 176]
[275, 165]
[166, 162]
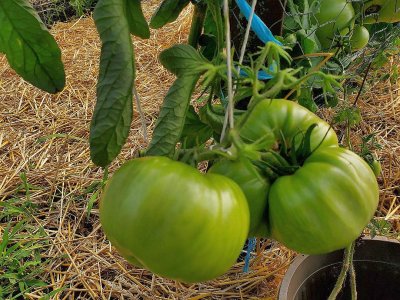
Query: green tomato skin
[173, 220]
[254, 186]
[334, 16]
[386, 11]
[325, 204]
[270, 119]
[359, 38]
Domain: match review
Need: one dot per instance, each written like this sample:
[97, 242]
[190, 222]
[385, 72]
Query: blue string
[250, 248]
[257, 25]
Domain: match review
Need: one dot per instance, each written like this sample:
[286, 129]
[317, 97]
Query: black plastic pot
[377, 266]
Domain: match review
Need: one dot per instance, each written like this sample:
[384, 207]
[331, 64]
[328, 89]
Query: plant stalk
[347, 265]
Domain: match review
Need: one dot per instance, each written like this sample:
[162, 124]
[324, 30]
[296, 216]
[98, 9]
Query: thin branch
[229, 62]
[142, 118]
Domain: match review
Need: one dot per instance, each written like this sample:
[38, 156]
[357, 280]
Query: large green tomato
[359, 37]
[334, 16]
[282, 121]
[325, 204]
[387, 11]
[171, 219]
[254, 186]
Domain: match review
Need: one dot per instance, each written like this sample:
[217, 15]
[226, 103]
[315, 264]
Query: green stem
[188, 155]
[105, 177]
[353, 285]
[347, 264]
[196, 28]
[215, 10]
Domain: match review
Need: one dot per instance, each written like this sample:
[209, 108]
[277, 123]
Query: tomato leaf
[29, 47]
[183, 60]
[172, 117]
[113, 111]
[137, 23]
[350, 116]
[167, 12]
[195, 132]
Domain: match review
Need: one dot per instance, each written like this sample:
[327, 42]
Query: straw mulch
[46, 137]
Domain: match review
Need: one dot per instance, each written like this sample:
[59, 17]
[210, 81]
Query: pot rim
[300, 258]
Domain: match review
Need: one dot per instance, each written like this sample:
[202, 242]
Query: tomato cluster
[168, 217]
[330, 193]
[338, 17]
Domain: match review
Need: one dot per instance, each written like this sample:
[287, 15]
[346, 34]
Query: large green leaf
[30, 49]
[167, 12]
[113, 112]
[172, 117]
[137, 23]
[183, 60]
[195, 132]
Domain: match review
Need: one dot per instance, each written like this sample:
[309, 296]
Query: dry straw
[46, 137]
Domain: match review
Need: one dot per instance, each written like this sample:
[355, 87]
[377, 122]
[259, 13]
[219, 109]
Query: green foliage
[22, 265]
[167, 12]
[171, 121]
[113, 111]
[195, 133]
[350, 116]
[183, 60]
[380, 227]
[30, 49]
[136, 20]
[82, 7]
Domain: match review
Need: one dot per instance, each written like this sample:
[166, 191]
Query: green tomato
[325, 204]
[334, 16]
[171, 219]
[330, 195]
[254, 186]
[376, 11]
[359, 38]
[282, 121]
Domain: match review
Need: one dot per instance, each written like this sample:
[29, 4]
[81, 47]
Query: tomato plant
[173, 220]
[283, 173]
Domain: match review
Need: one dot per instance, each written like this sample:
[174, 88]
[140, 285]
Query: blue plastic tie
[262, 75]
[257, 25]
[250, 248]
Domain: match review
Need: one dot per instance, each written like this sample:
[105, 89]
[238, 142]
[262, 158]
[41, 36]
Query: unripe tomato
[334, 16]
[324, 205]
[359, 38]
[254, 186]
[283, 121]
[173, 220]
